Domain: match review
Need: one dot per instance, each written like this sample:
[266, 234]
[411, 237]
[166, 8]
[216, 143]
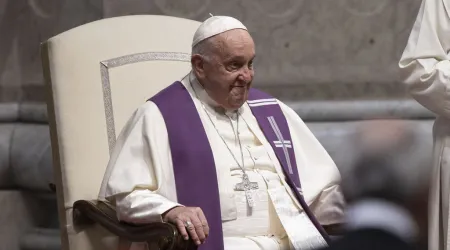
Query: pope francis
[231, 166]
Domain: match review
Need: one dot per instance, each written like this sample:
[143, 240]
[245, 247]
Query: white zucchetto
[214, 26]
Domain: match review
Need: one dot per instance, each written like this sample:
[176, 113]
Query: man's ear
[198, 65]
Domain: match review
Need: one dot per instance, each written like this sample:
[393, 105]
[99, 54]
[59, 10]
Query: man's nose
[246, 75]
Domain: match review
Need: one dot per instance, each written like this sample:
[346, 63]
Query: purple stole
[193, 161]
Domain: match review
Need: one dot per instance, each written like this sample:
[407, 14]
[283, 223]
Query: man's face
[227, 75]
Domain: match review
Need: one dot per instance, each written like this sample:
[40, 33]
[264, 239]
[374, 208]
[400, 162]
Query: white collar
[373, 213]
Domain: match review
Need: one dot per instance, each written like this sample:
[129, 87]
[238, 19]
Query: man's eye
[234, 65]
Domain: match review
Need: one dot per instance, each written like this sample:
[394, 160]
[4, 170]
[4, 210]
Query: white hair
[204, 48]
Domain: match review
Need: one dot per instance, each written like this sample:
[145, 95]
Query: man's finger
[198, 228]
[182, 229]
[203, 220]
[192, 232]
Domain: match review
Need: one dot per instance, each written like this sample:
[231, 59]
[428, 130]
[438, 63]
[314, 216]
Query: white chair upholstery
[97, 74]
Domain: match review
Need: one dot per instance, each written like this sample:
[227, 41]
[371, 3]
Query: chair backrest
[97, 74]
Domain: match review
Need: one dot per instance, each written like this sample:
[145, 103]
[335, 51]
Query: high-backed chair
[97, 74]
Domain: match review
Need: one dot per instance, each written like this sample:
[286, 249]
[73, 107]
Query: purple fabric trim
[274, 125]
[194, 166]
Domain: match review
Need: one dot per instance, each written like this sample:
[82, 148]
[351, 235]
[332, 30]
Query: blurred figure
[425, 68]
[386, 188]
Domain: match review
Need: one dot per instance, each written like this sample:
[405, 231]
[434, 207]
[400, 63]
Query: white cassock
[141, 164]
[425, 65]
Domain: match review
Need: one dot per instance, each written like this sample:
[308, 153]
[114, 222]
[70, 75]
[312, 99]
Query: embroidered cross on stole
[303, 229]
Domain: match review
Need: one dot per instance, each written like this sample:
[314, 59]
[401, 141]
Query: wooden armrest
[334, 229]
[165, 235]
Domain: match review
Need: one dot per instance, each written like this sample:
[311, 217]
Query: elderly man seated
[232, 167]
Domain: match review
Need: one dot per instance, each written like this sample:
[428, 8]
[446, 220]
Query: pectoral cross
[246, 185]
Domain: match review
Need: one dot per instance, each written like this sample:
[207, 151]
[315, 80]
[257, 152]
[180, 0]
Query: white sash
[302, 233]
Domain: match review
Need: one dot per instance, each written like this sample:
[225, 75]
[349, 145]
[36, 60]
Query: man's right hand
[189, 219]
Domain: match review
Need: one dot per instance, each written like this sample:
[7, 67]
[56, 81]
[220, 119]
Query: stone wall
[320, 49]
[23, 26]
[331, 60]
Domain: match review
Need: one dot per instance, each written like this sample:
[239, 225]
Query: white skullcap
[214, 26]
